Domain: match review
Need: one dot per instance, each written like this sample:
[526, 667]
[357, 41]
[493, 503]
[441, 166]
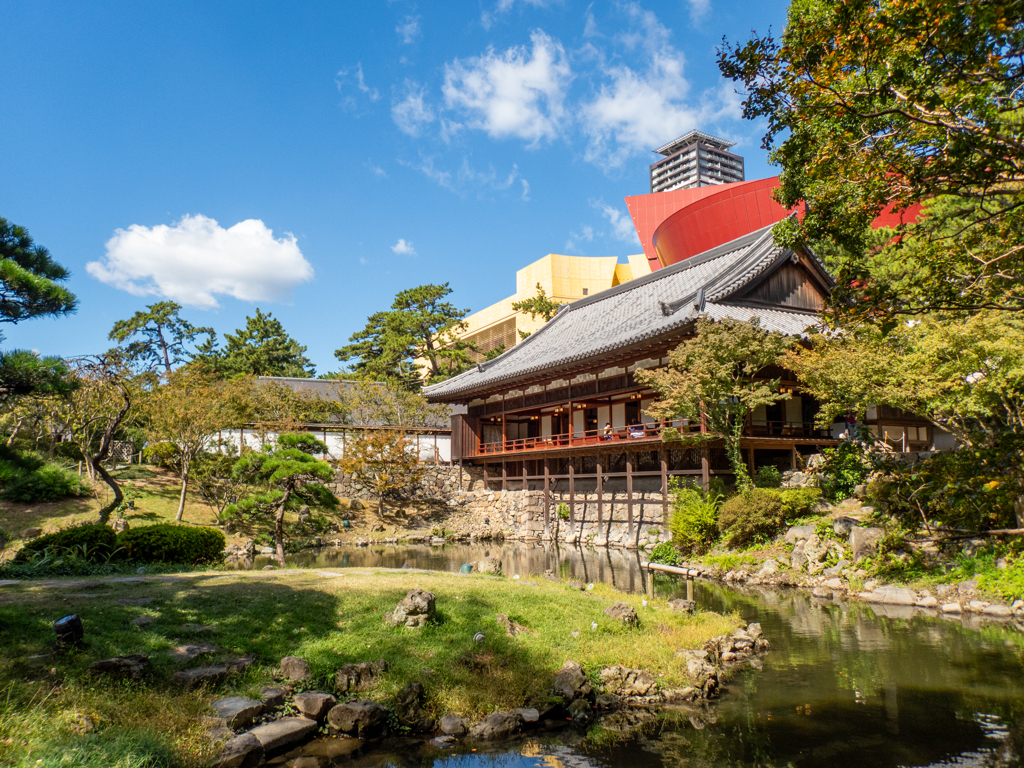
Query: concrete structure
[565, 279]
[697, 159]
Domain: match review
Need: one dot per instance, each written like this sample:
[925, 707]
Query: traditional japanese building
[565, 403]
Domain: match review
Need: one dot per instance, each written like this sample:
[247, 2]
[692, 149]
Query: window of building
[586, 291]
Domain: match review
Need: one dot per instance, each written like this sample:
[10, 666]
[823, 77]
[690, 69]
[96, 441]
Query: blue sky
[313, 159]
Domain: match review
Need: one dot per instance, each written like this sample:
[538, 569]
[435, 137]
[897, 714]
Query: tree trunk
[279, 530]
[181, 499]
[99, 469]
[739, 467]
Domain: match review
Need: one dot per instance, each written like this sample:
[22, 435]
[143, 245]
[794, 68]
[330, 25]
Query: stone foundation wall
[517, 514]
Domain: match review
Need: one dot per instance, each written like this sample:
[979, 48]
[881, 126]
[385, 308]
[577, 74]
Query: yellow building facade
[565, 279]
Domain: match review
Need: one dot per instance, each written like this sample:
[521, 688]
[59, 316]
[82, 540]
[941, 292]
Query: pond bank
[237, 627]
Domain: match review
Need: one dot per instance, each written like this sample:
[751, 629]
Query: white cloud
[412, 113]
[572, 245]
[363, 260]
[354, 76]
[376, 170]
[403, 248]
[196, 259]
[410, 30]
[504, 6]
[468, 179]
[512, 93]
[699, 9]
[622, 225]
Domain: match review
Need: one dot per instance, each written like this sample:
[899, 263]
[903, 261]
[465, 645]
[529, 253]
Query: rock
[864, 541]
[359, 677]
[623, 612]
[894, 596]
[408, 706]
[211, 675]
[999, 611]
[285, 732]
[977, 605]
[294, 668]
[768, 568]
[754, 630]
[271, 697]
[453, 725]
[1018, 606]
[268, 551]
[189, 652]
[356, 505]
[489, 565]
[626, 682]
[511, 627]
[815, 550]
[702, 674]
[365, 719]
[529, 714]
[496, 726]
[799, 532]
[237, 711]
[413, 611]
[842, 526]
[314, 705]
[575, 584]
[952, 608]
[687, 606]
[834, 583]
[581, 712]
[967, 588]
[134, 666]
[31, 533]
[197, 629]
[927, 602]
[243, 751]
[821, 592]
[799, 556]
[836, 569]
[442, 742]
[120, 525]
[570, 682]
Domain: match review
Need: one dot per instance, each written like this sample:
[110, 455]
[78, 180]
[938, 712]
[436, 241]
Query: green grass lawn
[55, 713]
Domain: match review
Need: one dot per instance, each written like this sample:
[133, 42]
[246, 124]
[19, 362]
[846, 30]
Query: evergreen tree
[30, 280]
[262, 348]
[158, 335]
[417, 339]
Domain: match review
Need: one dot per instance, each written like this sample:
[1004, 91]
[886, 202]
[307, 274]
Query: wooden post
[705, 465]
[792, 458]
[241, 440]
[325, 442]
[750, 462]
[547, 500]
[487, 479]
[664, 488]
[504, 435]
[600, 495]
[526, 485]
[629, 492]
[572, 497]
[504, 477]
[571, 428]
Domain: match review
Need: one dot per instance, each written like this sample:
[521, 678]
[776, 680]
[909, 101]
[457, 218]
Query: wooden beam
[629, 493]
[547, 500]
[572, 497]
[600, 494]
[504, 477]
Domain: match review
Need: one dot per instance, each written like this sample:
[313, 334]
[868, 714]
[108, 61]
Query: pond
[842, 684]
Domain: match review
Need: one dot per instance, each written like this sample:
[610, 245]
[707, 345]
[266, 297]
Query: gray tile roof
[652, 306]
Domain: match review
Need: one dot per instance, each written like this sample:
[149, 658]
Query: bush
[798, 502]
[768, 477]
[757, 515]
[843, 469]
[94, 542]
[27, 478]
[171, 544]
[694, 521]
[666, 554]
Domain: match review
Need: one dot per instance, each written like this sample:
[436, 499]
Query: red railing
[586, 437]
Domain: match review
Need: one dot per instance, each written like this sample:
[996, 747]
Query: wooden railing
[587, 437]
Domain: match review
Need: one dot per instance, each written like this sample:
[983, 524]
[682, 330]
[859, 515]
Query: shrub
[27, 478]
[757, 515]
[768, 476]
[694, 522]
[843, 469]
[666, 554]
[93, 541]
[171, 544]
[798, 502]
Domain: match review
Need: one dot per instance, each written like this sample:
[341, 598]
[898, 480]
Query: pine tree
[158, 335]
[262, 348]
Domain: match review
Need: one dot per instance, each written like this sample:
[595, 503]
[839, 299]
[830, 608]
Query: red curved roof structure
[676, 225]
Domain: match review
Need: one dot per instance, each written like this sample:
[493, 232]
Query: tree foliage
[187, 412]
[538, 304]
[262, 348]
[882, 105]
[384, 460]
[966, 375]
[30, 280]
[158, 335]
[712, 378]
[287, 477]
[416, 340]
